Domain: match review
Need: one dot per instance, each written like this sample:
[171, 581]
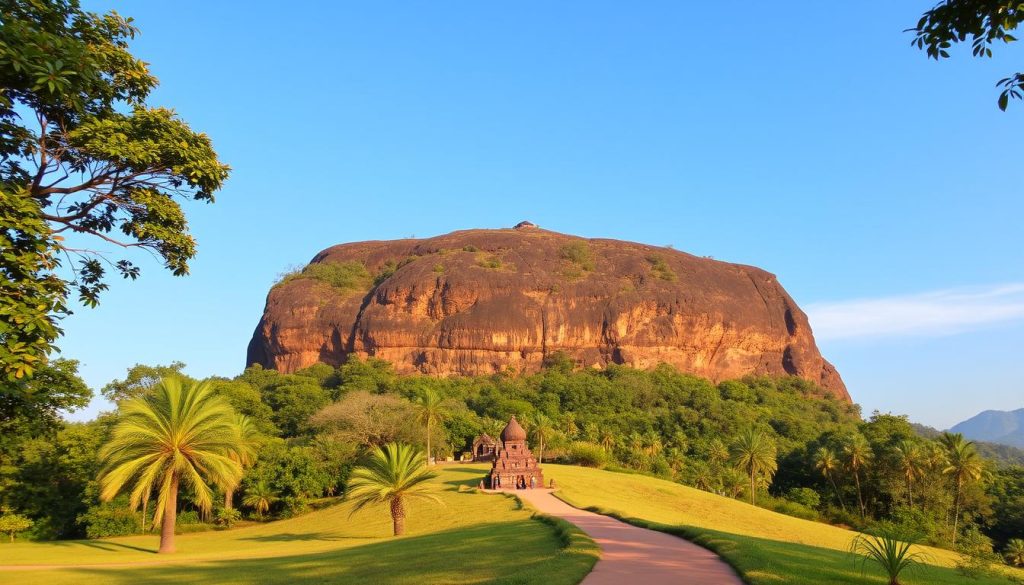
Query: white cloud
[942, 312]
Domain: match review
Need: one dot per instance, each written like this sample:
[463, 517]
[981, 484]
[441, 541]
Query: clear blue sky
[807, 138]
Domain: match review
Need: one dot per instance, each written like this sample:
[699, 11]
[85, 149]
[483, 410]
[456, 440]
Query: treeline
[775, 441]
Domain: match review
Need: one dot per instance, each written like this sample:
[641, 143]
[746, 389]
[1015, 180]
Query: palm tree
[430, 410]
[259, 497]
[608, 440]
[653, 444]
[911, 463]
[571, 430]
[754, 453]
[893, 556]
[391, 476]
[542, 433]
[636, 443]
[718, 453]
[179, 433]
[858, 456]
[1014, 552]
[828, 464]
[244, 452]
[964, 466]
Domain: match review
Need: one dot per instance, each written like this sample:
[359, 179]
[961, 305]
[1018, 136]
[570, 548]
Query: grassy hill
[465, 541]
[765, 547]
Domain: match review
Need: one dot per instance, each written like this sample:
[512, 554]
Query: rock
[484, 301]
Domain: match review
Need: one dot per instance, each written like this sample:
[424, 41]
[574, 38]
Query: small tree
[1014, 552]
[828, 464]
[753, 452]
[259, 497]
[858, 457]
[430, 410]
[542, 433]
[392, 475]
[888, 553]
[11, 523]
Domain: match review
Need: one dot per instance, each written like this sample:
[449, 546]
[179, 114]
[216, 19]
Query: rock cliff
[482, 301]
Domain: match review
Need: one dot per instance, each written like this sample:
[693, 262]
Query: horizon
[837, 158]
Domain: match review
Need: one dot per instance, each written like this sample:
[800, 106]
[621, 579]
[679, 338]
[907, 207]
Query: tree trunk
[145, 505]
[398, 515]
[170, 516]
[540, 452]
[428, 441]
[910, 492]
[229, 498]
[838, 497]
[956, 511]
[752, 488]
[860, 498]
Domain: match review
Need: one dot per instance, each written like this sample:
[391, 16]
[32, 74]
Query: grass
[344, 276]
[766, 548]
[468, 540]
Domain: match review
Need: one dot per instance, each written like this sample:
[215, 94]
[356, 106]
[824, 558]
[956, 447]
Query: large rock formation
[482, 301]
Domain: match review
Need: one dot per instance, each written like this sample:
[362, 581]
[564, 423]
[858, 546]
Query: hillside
[994, 426]
[484, 301]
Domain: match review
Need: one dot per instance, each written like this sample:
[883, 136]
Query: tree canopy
[86, 166]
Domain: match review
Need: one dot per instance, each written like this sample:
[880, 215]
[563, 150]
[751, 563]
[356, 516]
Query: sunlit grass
[766, 547]
[466, 540]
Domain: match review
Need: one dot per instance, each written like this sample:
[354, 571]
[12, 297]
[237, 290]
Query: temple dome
[513, 431]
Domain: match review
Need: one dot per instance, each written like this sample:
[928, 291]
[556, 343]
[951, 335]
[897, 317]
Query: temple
[514, 465]
[484, 448]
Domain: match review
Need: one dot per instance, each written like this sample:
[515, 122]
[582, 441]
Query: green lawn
[468, 540]
[765, 547]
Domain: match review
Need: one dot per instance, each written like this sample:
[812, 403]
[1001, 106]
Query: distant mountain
[1003, 455]
[994, 426]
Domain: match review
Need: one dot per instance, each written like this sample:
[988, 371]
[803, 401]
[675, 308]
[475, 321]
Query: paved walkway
[630, 554]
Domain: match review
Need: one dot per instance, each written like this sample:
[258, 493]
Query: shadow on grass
[762, 561]
[105, 545]
[521, 552]
[293, 536]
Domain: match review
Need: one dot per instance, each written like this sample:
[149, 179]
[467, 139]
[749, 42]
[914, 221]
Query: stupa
[514, 466]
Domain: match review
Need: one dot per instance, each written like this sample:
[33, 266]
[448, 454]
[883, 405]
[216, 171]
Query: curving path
[633, 554]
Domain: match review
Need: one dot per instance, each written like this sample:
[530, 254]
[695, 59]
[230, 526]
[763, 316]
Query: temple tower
[514, 466]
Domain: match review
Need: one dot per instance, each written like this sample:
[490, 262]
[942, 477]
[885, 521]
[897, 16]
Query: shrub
[660, 268]
[976, 555]
[189, 517]
[470, 248]
[345, 276]
[491, 261]
[390, 267]
[11, 523]
[888, 553]
[226, 517]
[587, 454]
[110, 519]
[804, 496]
[579, 254]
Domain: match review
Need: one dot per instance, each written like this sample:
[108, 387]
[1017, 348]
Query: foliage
[11, 523]
[977, 558]
[490, 261]
[660, 268]
[84, 156]
[180, 433]
[888, 553]
[430, 410]
[1014, 552]
[110, 519]
[369, 419]
[260, 497]
[753, 452]
[579, 256]
[984, 22]
[348, 277]
[587, 454]
[392, 475]
[139, 380]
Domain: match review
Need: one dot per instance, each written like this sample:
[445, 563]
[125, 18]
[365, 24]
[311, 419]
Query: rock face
[483, 301]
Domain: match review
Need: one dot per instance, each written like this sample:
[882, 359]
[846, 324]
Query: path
[630, 554]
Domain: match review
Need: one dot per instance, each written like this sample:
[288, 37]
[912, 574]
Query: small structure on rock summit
[514, 465]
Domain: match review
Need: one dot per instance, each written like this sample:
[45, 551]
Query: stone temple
[514, 466]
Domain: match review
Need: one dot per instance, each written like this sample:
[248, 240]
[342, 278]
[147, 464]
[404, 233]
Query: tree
[392, 475]
[608, 440]
[259, 497]
[84, 160]
[1014, 552]
[542, 432]
[11, 523]
[430, 410]
[858, 457]
[964, 466]
[828, 464]
[753, 452]
[180, 433]
[139, 379]
[911, 464]
[244, 452]
[984, 22]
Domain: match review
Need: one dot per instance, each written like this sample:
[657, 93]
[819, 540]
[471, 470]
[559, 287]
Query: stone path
[630, 554]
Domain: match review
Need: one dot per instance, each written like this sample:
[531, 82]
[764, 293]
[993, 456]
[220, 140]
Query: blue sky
[807, 138]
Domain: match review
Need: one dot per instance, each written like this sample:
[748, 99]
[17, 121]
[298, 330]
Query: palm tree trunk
[398, 515]
[170, 516]
[751, 487]
[956, 510]
[145, 505]
[842, 506]
[540, 452]
[229, 498]
[860, 498]
[428, 442]
[910, 492]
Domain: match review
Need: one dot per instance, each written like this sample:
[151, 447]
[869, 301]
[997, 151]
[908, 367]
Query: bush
[189, 517]
[110, 519]
[579, 254]
[660, 268]
[587, 454]
[804, 496]
[345, 276]
[226, 517]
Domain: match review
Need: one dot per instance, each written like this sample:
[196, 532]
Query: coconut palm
[1014, 552]
[828, 464]
[430, 410]
[718, 453]
[571, 429]
[858, 455]
[260, 498]
[244, 452]
[652, 443]
[753, 452]
[542, 432]
[911, 463]
[179, 434]
[893, 556]
[392, 475]
[608, 440]
[964, 466]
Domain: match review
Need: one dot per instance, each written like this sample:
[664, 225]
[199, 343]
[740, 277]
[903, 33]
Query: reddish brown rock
[483, 301]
